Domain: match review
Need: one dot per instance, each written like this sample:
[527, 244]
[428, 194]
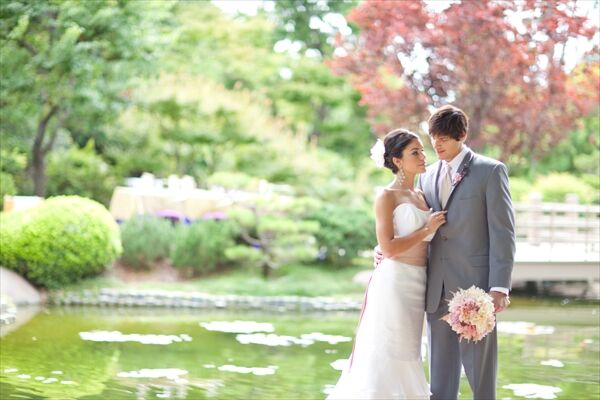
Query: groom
[476, 246]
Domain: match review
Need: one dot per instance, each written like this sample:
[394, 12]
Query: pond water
[104, 353]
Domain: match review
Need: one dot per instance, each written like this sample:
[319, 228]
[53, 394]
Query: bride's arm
[384, 227]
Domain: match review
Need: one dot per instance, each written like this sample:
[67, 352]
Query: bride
[386, 359]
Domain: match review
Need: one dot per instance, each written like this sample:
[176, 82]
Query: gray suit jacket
[476, 245]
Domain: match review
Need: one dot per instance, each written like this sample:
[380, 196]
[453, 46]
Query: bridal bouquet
[471, 314]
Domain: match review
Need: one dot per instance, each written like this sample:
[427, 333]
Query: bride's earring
[401, 175]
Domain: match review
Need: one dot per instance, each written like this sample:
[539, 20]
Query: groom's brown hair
[448, 121]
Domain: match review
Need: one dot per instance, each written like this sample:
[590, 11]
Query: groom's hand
[377, 256]
[500, 300]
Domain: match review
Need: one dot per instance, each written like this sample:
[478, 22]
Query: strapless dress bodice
[409, 218]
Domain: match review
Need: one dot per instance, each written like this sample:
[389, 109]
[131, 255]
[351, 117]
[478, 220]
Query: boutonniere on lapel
[461, 174]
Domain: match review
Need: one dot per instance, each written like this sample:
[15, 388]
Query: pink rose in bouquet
[471, 314]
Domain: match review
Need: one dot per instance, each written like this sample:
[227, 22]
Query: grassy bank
[292, 280]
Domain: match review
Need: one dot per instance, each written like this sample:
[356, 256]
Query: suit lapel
[466, 163]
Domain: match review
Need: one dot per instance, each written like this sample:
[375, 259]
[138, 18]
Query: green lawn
[293, 280]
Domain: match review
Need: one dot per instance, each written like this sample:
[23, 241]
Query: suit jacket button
[444, 238]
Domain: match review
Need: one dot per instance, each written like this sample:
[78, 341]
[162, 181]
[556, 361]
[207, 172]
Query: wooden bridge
[558, 242]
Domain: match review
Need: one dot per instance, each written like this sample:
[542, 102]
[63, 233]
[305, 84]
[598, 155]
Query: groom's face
[446, 147]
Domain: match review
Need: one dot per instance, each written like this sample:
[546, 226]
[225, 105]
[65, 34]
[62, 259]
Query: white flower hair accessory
[377, 153]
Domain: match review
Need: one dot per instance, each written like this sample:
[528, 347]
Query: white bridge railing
[571, 227]
[558, 242]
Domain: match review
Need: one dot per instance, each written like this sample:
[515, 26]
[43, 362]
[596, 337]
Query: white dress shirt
[455, 162]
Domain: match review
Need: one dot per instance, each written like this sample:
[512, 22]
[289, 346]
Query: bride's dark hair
[395, 142]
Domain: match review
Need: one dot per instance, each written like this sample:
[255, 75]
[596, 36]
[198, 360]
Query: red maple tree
[503, 62]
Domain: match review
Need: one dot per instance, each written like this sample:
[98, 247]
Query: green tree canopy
[67, 65]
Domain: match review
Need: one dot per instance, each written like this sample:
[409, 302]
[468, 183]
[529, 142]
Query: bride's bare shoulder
[385, 198]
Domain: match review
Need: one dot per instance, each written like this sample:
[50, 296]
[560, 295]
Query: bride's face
[413, 157]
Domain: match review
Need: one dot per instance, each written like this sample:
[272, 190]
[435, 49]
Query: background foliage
[146, 239]
[200, 248]
[99, 91]
[95, 92]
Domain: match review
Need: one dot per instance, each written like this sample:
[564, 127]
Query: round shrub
[64, 239]
[145, 240]
[554, 188]
[7, 187]
[200, 247]
[10, 227]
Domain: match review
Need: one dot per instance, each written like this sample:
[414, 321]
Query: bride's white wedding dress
[386, 360]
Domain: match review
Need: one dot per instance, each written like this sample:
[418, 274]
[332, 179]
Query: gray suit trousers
[446, 353]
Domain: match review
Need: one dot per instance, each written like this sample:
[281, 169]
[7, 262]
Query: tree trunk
[265, 270]
[321, 112]
[38, 154]
[39, 173]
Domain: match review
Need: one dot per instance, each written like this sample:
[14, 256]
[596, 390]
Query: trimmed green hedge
[200, 247]
[146, 239]
[554, 188]
[520, 188]
[63, 240]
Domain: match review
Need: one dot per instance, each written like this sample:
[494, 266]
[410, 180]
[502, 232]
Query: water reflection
[116, 336]
[524, 328]
[173, 374]
[270, 370]
[553, 363]
[321, 337]
[304, 340]
[272, 339]
[25, 314]
[238, 326]
[533, 391]
[93, 354]
[340, 364]
[160, 391]
[41, 379]
[175, 385]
